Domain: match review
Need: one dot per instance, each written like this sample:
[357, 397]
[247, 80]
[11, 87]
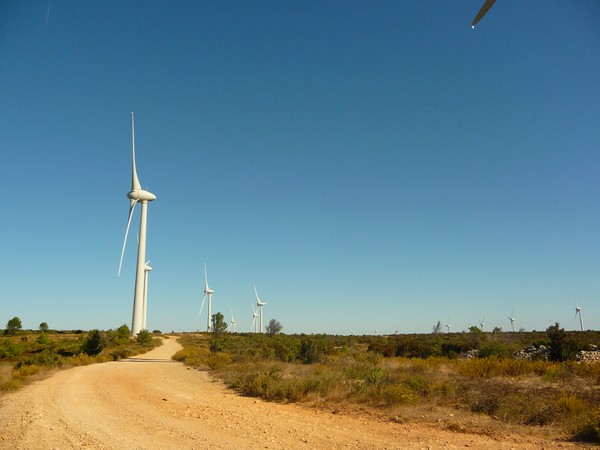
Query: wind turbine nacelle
[209, 291]
[141, 195]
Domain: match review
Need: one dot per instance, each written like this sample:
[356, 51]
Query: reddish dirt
[152, 402]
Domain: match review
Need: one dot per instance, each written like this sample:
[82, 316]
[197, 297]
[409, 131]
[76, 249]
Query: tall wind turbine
[482, 324]
[137, 195]
[260, 305]
[578, 311]
[147, 269]
[512, 321]
[448, 326]
[208, 292]
[254, 317]
[233, 323]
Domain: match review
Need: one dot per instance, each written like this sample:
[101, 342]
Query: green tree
[44, 326]
[219, 325]
[13, 326]
[274, 327]
[123, 332]
[94, 343]
[143, 337]
[562, 348]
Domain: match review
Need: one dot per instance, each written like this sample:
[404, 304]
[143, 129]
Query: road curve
[152, 402]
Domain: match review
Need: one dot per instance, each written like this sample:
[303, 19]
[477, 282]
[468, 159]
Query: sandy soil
[152, 402]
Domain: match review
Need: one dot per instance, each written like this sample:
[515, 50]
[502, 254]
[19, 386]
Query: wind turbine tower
[147, 269]
[233, 323]
[260, 305]
[254, 317]
[512, 321]
[578, 311]
[208, 292]
[137, 195]
[448, 326]
[482, 324]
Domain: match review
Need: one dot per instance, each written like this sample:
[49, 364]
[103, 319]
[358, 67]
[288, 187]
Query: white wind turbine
[260, 305]
[578, 311]
[254, 317]
[448, 326]
[208, 292]
[147, 269]
[482, 324]
[233, 323]
[512, 320]
[137, 194]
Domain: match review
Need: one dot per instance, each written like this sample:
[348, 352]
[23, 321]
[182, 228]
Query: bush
[590, 429]
[94, 343]
[143, 337]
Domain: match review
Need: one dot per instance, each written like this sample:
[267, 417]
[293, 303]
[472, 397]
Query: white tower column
[138, 296]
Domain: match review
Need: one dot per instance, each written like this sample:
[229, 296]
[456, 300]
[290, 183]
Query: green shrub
[94, 343]
[144, 337]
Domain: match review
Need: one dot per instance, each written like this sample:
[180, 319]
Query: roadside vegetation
[471, 381]
[27, 355]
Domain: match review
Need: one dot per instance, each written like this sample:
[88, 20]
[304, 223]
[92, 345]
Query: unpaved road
[152, 402]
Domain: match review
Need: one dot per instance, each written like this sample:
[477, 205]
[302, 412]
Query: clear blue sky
[369, 165]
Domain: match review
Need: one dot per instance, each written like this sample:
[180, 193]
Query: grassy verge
[30, 356]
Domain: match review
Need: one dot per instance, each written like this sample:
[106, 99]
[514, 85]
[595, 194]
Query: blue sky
[368, 165]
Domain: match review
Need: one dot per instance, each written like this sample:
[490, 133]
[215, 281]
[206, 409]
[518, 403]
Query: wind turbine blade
[202, 306]
[256, 293]
[484, 9]
[131, 208]
[135, 182]
[205, 279]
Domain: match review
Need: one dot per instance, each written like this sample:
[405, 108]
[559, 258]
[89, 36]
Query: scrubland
[419, 377]
[31, 355]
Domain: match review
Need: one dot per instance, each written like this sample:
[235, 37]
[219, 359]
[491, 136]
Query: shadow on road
[147, 360]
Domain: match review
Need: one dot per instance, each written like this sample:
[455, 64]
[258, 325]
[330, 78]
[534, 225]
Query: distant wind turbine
[578, 311]
[512, 321]
[137, 194]
[484, 9]
[254, 318]
[260, 305]
[233, 323]
[482, 324]
[208, 292]
[147, 269]
[448, 326]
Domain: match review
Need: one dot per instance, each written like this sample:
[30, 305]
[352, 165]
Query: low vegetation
[404, 375]
[27, 355]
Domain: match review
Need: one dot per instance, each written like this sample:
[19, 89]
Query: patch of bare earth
[152, 402]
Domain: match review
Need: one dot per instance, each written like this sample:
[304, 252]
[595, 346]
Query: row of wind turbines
[257, 314]
[140, 293]
[512, 319]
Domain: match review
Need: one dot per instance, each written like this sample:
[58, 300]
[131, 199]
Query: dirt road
[152, 402]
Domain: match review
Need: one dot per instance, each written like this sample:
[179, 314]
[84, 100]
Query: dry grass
[487, 395]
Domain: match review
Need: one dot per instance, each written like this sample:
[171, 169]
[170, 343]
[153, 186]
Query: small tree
[219, 326]
[143, 337]
[44, 326]
[274, 327]
[13, 326]
[562, 348]
[123, 332]
[94, 343]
